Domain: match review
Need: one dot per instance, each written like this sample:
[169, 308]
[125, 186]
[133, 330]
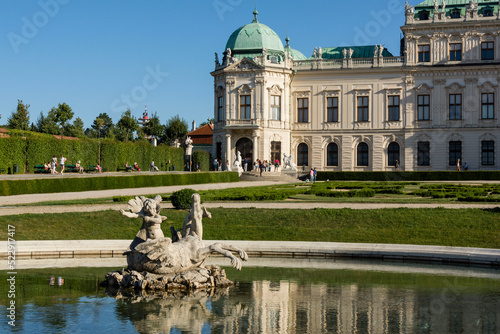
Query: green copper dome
[250, 39]
[296, 54]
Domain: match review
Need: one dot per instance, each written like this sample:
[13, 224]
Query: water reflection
[290, 307]
[267, 300]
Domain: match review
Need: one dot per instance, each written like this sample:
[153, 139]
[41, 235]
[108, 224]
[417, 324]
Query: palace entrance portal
[245, 146]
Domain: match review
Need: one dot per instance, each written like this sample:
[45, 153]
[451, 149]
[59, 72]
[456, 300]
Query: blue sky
[106, 55]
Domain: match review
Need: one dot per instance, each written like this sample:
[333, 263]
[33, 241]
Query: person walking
[458, 165]
[216, 165]
[315, 173]
[311, 175]
[62, 161]
[276, 165]
[245, 164]
[261, 167]
[53, 165]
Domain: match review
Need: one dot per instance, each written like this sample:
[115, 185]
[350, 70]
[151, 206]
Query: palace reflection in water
[289, 307]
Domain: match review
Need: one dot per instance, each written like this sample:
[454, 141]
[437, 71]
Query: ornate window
[275, 151]
[393, 154]
[487, 51]
[455, 106]
[362, 107]
[245, 106]
[455, 51]
[332, 109]
[487, 105]
[424, 107]
[276, 107]
[393, 103]
[423, 153]
[220, 108]
[424, 53]
[455, 152]
[363, 155]
[332, 155]
[303, 155]
[487, 11]
[303, 110]
[487, 153]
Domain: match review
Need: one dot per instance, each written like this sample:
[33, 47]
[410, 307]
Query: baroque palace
[360, 108]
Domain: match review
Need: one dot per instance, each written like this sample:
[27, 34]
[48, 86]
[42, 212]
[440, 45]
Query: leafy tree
[126, 126]
[20, 119]
[63, 113]
[47, 124]
[176, 128]
[103, 126]
[154, 128]
[76, 129]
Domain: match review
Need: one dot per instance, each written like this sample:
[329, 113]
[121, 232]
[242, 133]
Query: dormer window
[487, 12]
[423, 15]
[455, 14]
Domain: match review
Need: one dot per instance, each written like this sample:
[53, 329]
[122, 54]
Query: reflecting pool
[287, 296]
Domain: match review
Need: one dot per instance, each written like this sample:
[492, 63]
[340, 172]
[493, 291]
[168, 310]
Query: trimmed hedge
[203, 158]
[410, 176]
[59, 184]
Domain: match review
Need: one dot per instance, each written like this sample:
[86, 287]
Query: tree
[63, 113]
[20, 119]
[76, 129]
[154, 128]
[103, 128]
[176, 128]
[126, 126]
[47, 124]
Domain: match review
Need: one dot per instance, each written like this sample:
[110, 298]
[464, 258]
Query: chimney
[194, 126]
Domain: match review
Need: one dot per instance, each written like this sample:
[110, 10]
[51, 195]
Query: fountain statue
[159, 263]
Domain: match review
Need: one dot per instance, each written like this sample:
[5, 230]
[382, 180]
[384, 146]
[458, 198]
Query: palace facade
[360, 108]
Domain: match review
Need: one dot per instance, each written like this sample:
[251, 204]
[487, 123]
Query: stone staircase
[281, 176]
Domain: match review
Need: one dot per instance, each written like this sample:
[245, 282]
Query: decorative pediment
[219, 91]
[393, 91]
[424, 40]
[244, 64]
[302, 94]
[487, 87]
[275, 90]
[455, 88]
[454, 137]
[331, 93]
[423, 89]
[362, 91]
[487, 136]
[245, 89]
[487, 38]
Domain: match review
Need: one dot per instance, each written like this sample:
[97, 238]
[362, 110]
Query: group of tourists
[62, 163]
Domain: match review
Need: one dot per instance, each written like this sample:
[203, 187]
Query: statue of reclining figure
[160, 255]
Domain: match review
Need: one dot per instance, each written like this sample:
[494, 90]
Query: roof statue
[375, 51]
[159, 263]
[344, 52]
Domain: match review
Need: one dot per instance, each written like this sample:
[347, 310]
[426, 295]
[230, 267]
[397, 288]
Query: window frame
[488, 154]
[453, 106]
[423, 153]
[275, 108]
[363, 109]
[220, 108]
[490, 106]
[393, 155]
[424, 107]
[332, 155]
[457, 54]
[363, 155]
[488, 52]
[454, 152]
[332, 111]
[424, 53]
[247, 106]
[302, 111]
[394, 109]
[303, 155]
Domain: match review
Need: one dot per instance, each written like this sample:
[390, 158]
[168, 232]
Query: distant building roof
[202, 135]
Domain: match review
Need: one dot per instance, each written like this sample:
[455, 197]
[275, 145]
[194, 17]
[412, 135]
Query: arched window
[303, 155]
[363, 155]
[332, 155]
[423, 15]
[393, 154]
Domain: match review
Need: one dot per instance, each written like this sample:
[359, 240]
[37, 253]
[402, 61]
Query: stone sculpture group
[156, 262]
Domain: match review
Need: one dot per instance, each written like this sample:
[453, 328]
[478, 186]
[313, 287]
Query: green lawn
[448, 227]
